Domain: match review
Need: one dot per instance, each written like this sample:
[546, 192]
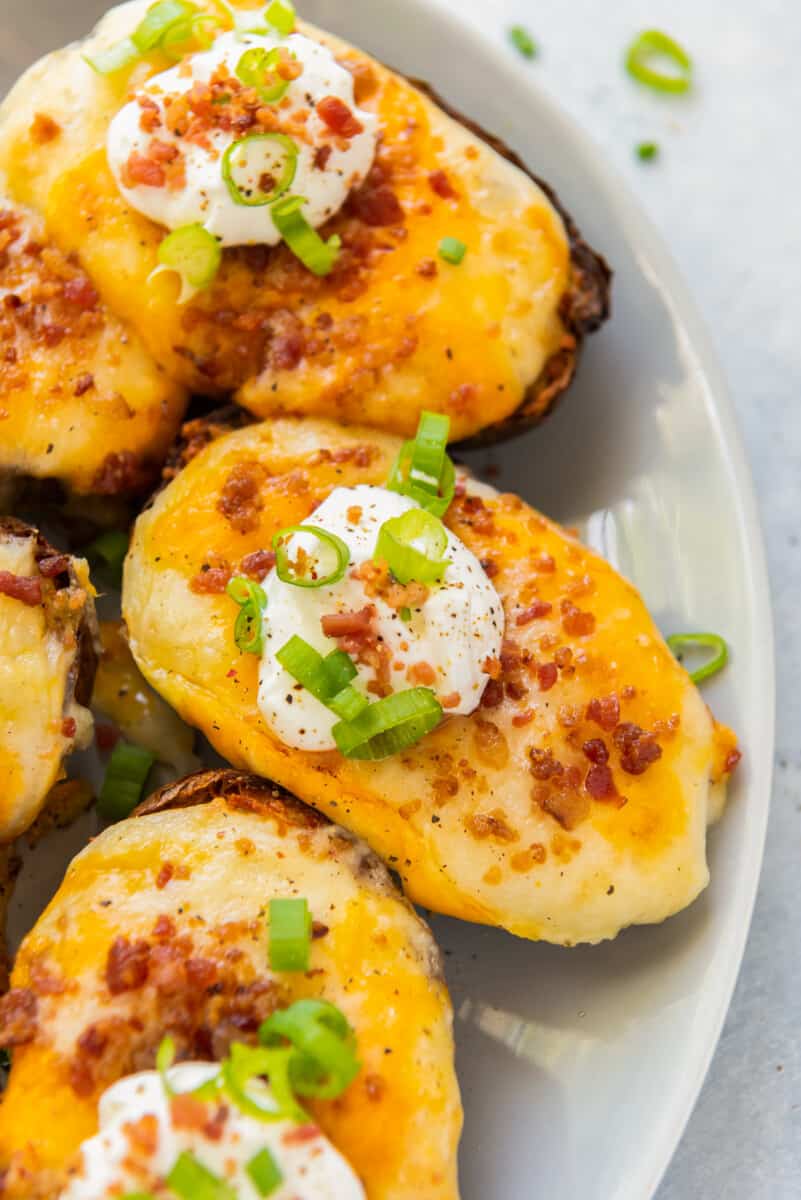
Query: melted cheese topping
[200, 193]
[450, 634]
[116, 1159]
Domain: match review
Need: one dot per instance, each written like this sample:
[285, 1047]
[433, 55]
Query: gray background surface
[724, 194]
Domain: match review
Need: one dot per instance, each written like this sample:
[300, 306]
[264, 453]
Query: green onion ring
[284, 569]
[124, 781]
[194, 254]
[317, 256]
[326, 1063]
[428, 456]
[412, 546]
[246, 1063]
[251, 598]
[158, 19]
[650, 44]
[400, 481]
[255, 66]
[389, 725]
[257, 198]
[711, 641]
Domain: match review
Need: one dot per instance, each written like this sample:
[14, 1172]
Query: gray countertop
[723, 194]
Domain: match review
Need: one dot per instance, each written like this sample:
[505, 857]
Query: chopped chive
[522, 40]
[191, 1180]
[265, 1172]
[452, 250]
[290, 934]
[646, 151]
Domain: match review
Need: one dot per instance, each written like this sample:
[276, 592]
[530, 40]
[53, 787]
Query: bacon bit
[604, 711]
[44, 128]
[365, 82]
[287, 343]
[150, 118]
[257, 564]
[121, 471]
[210, 580]
[421, 673]
[547, 674]
[18, 1017]
[545, 564]
[490, 567]
[127, 965]
[146, 171]
[515, 689]
[427, 268]
[187, 1112]
[477, 515]
[732, 759]
[441, 184]
[80, 291]
[493, 694]
[300, 1134]
[600, 783]
[164, 926]
[375, 1086]
[596, 751]
[83, 384]
[240, 500]
[26, 588]
[492, 667]
[568, 808]
[321, 157]
[68, 727]
[215, 1126]
[543, 764]
[490, 743]
[106, 736]
[354, 514]
[523, 718]
[144, 1133]
[53, 334]
[452, 700]
[526, 859]
[346, 624]
[163, 152]
[53, 564]
[338, 117]
[377, 206]
[563, 657]
[491, 825]
[575, 621]
[638, 749]
[166, 872]
[534, 612]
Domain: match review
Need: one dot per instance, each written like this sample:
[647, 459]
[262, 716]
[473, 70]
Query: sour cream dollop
[457, 628]
[139, 1142]
[147, 140]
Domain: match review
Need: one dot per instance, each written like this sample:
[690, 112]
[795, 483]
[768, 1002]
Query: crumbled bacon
[638, 749]
[595, 749]
[599, 782]
[44, 128]
[257, 564]
[491, 825]
[441, 184]
[421, 673]
[27, 588]
[604, 711]
[334, 113]
[426, 268]
[18, 1017]
[211, 579]
[83, 384]
[321, 157]
[346, 624]
[493, 694]
[575, 621]
[547, 674]
[534, 612]
[53, 564]
[68, 727]
[376, 206]
[127, 965]
[240, 500]
[141, 170]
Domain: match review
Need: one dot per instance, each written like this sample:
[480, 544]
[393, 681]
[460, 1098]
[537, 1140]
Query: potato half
[506, 816]
[393, 329]
[48, 655]
[187, 882]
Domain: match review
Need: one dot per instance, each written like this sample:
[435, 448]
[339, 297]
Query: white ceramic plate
[580, 1067]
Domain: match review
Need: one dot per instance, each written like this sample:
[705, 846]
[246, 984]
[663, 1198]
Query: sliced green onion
[653, 45]
[328, 545]
[412, 546]
[246, 1063]
[452, 250]
[647, 151]
[681, 642]
[326, 1063]
[264, 1172]
[256, 67]
[405, 614]
[194, 254]
[110, 548]
[348, 704]
[115, 58]
[252, 600]
[139, 1196]
[124, 782]
[522, 40]
[304, 242]
[390, 725]
[430, 443]
[165, 1057]
[184, 31]
[308, 666]
[191, 1180]
[340, 669]
[276, 153]
[290, 934]
[158, 19]
[280, 14]
[423, 471]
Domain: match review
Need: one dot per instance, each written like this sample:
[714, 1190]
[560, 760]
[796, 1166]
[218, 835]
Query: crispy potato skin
[489, 818]
[394, 329]
[232, 842]
[81, 399]
[47, 666]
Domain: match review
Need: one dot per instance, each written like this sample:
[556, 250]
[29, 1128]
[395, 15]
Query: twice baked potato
[573, 801]
[48, 656]
[160, 928]
[81, 399]
[398, 323]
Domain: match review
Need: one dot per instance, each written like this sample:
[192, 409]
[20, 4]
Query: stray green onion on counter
[650, 48]
[522, 40]
[679, 643]
[647, 151]
[124, 781]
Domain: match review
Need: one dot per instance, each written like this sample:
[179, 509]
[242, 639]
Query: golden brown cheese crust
[48, 658]
[572, 803]
[80, 398]
[393, 329]
[160, 927]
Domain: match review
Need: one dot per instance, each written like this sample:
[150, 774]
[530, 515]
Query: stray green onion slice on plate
[649, 49]
[679, 643]
[522, 40]
[124, 781]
